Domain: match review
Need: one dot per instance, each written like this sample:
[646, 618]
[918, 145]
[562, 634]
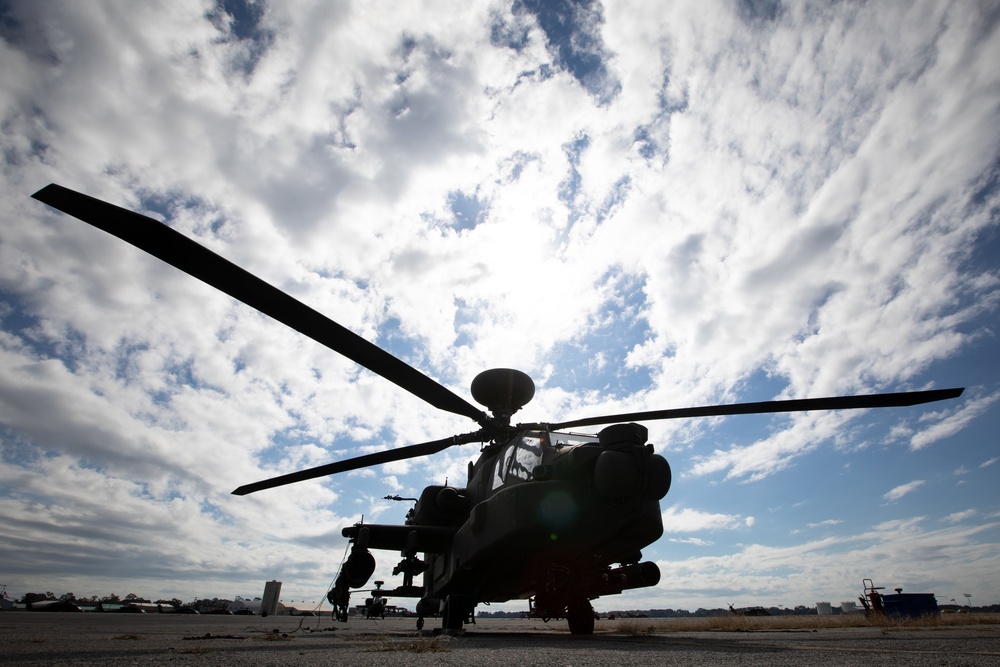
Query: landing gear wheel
[420, 623]
[580, 616]
[456, 610]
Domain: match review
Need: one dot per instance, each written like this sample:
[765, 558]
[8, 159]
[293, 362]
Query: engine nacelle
[630, 472]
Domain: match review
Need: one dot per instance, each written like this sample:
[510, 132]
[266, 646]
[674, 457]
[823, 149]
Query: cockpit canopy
[531, 449]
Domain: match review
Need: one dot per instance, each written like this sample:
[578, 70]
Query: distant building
[269, 603]
[243, 605]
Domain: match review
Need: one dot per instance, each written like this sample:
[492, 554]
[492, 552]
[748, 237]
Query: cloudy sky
[642, 205]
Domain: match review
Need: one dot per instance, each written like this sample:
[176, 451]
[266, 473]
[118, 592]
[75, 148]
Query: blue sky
[641, 206]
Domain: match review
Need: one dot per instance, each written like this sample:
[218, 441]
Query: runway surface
[39, 638]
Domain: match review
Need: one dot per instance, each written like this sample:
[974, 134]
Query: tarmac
[44, 638]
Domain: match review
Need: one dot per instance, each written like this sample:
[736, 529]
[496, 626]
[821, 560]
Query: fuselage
[544, 513]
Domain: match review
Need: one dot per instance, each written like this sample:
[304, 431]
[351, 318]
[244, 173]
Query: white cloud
[696, 541]
[775, 453]
[958, 517]
[687, 520]
[898, 492]
[777, 208]
[952, 422]
[901, 552]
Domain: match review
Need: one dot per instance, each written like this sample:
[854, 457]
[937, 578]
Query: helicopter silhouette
[547, 514]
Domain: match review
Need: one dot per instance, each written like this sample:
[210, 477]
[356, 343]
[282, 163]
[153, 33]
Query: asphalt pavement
[41, 638]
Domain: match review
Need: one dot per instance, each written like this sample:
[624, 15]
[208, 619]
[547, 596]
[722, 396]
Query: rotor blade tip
[947, 394]
[40, 193]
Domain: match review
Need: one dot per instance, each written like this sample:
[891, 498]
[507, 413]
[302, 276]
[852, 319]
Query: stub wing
[422, 539]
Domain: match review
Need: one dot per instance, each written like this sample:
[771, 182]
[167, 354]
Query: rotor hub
[503, 391]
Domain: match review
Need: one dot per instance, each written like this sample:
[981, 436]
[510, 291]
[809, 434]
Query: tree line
[113, 598]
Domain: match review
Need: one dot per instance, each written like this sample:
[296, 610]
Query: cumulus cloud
[896, 552]
[642, 206]
[687, 520]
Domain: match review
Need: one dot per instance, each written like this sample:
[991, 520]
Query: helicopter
[375, 605]
[547, 514]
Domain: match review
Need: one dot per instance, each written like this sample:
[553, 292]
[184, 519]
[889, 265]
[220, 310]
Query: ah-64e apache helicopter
[546, 515]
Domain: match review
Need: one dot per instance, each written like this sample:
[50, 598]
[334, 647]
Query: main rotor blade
[895, 400]
[194, 259]
[378, 458]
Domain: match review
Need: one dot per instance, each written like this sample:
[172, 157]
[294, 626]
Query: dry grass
[381, 640]
[638, 626]
[194, 650]
[385, 643]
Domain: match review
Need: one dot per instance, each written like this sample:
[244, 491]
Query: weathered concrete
[28, 638]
